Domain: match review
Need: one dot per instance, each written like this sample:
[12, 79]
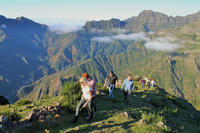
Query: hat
[85, 75]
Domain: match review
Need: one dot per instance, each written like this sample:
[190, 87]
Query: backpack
[92, 84]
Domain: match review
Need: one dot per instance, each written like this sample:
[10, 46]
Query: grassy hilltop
[151, 110]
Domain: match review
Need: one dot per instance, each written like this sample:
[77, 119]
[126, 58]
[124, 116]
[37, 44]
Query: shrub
[3, 100]
[46, 97]
[23, 102]
[70, 94]
[100, 87]
[153, 118]
[137, 78]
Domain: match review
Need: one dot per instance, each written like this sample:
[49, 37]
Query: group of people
[89, 89]
[150, 83]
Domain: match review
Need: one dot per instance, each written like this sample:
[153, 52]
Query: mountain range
[36, 61]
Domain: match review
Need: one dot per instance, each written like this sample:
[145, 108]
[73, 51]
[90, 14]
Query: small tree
[71, 94]
[3, 100]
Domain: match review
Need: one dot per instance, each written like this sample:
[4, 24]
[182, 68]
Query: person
[148, 82]
[85, 100]
[152, 83]
[93, 86]
[112, 83]
[142, 82]
[127, 86]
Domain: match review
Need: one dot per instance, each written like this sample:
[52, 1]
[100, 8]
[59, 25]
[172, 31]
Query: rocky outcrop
[105, 24]
[147, 20]
[45, 112]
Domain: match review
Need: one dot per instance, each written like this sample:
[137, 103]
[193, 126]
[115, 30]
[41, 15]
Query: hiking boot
[74, 120]
[89, 118]
[95, 113]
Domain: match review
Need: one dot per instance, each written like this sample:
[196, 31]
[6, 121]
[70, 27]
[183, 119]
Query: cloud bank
[62, 25]
[3, 26]
[159, 44]
[106, 39]
[65, 28]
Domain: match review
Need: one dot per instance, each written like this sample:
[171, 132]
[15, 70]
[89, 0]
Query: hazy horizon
[94, 9]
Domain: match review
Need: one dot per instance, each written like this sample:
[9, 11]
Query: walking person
[142, 82]
[112, 83]
[127, 86]
[92, 84]
[85, 101]
[152, 83]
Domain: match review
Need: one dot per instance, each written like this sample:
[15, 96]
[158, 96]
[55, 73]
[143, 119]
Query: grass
[151, 104]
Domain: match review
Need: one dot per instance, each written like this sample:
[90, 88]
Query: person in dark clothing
[112, 83]
[142, 82]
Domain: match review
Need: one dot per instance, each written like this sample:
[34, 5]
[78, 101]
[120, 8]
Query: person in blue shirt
[127, 86]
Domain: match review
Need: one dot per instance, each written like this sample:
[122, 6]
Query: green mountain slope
[177, 71]
[23, 45]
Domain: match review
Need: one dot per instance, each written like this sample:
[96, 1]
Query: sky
[79, 11]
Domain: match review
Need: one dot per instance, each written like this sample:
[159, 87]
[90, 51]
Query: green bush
[46, 97]
[23, 102]
[3, 100]
[71, 94]
[100, 87]
[153, 118]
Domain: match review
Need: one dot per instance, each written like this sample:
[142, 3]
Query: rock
[161, 125]
[33, 115]
[45, 112]
[47, 131]
[103, 94]
[58, 104]
[97, 123]
[3, 122]
[125, 114]
[76, 128]
[3, 119]
[141, 122]
[56, 116]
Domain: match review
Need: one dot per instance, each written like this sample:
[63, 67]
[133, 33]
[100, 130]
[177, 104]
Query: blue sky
[93, 9]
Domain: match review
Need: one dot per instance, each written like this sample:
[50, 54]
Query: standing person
[142, 82]
[148, 83]
[112, 83]
[85, 100]
[152, 83]
[127, 86]
[92, 84]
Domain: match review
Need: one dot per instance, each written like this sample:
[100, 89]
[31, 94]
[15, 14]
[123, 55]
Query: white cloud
[103, 39]
[62, 25]
[133, 36]
[65, 28]
[3, 26]
[160, 44]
